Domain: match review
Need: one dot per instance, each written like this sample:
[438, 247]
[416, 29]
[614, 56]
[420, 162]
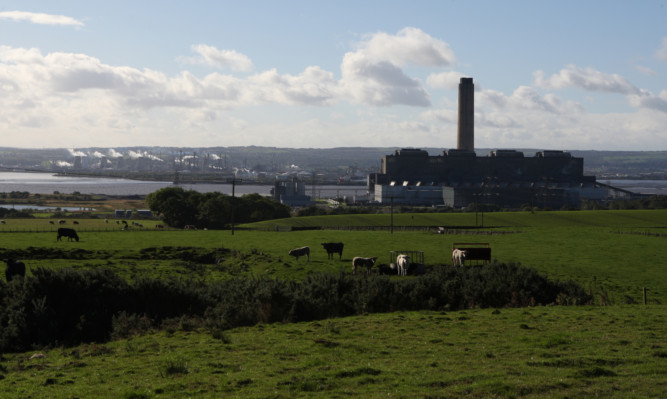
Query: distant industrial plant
[504, 178]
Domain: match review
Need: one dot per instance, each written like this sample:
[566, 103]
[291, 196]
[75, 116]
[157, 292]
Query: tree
[178, 208]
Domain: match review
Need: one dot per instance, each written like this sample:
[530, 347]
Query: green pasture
[606, 352]
[38, 224]
[627, 219]
[544, 351]
[613, 253]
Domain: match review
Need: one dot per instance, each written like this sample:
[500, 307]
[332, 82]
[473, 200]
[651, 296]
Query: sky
[563, 75]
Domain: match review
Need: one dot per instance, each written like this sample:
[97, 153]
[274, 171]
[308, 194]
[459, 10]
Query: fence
[415, 256]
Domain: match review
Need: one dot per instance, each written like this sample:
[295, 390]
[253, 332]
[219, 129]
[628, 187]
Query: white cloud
[526, 98]
[74, 100]
[40, 18]
[211, 56]
[441, 115]
[408, 46]
[373, 73]
[445, 80]
[661, 53]
[592, 80]
[313, 86]
[645, 70]
[587, 79]
[649, 100]
[380, 83]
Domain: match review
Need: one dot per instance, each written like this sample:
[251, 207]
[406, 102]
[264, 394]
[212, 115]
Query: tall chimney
[466, 133]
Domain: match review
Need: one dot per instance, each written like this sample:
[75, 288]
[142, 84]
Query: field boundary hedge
[68, 307]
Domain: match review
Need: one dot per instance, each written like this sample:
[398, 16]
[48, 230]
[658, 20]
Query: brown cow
[363, 262]
[303, 251]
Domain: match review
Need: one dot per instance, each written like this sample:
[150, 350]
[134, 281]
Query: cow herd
[366, 264]
[402, 267]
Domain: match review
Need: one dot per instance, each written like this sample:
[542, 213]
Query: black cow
[333, 248]
[389, 269]
[303, 251]
[14, 268]
[69, 233]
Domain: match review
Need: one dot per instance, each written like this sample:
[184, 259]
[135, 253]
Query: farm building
[506, 178]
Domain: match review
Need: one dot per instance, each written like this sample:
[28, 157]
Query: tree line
[179, 208]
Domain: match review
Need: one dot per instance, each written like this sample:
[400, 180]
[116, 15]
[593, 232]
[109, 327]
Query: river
[47, 183]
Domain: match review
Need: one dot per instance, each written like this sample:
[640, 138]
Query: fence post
[644, 291]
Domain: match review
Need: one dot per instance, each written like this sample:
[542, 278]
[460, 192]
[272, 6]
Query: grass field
[533, 352]
[615, 253]
[607, 351]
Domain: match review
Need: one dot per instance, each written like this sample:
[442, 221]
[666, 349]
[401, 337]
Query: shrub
[67, 307]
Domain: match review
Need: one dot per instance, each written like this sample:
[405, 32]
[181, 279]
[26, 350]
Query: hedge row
[68, 307]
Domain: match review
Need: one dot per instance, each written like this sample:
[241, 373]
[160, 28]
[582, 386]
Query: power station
[504, 178]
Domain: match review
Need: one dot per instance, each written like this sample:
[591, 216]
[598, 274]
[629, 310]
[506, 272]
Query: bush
[67, 307]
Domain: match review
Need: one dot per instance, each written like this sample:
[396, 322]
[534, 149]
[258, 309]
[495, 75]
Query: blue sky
[572, 75]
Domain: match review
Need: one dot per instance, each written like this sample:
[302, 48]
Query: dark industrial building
[504, 178]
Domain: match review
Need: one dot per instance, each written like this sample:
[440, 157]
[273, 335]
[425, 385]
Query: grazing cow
[387, 268]
[2, 221]
[458, 257]
[403, 263]
[51, 222]
[333, 248]
[159, 226]
[69, 233]
[14, 268]
[75, 222]
[190, 227]
[62, 221]
[303, 251]
[106, 220]
[363, 262]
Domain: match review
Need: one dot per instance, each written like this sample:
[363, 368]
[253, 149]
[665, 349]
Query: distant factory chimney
[466, 133]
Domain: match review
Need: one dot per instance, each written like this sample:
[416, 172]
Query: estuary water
[48, 183]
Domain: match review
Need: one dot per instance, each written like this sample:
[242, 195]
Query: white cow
[403, 262]
[458, 257]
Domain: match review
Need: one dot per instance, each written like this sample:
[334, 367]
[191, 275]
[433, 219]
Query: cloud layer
[70, 99]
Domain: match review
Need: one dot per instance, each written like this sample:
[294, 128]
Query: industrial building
[291, 192]
[504, 178]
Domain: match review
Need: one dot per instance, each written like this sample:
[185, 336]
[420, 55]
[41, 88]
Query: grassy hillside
[531, 352]
[608, 351]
